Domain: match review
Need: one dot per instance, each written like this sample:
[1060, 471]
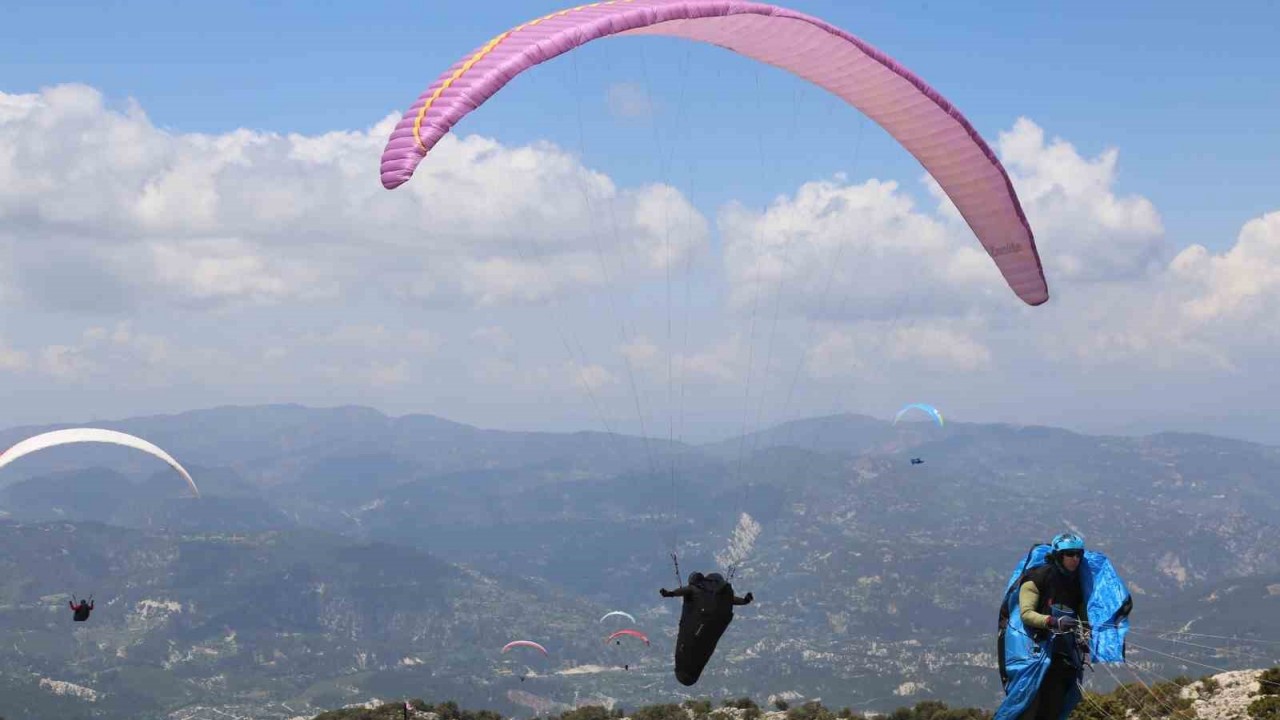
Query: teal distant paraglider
[930, 410]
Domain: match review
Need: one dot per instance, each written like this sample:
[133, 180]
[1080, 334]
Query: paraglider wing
[632, 633]
[94, 435]
[926, 408]
[619, 613]
[916, 115]
[1109, 605]
[525, 643]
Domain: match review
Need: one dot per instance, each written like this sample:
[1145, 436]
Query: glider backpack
[1006, 609]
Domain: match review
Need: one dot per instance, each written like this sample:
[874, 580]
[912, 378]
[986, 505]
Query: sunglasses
[1071, 553]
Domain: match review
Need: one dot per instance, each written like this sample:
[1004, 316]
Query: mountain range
[340, 554]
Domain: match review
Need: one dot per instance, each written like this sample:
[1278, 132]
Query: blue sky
[191, 274]
[1185, 90]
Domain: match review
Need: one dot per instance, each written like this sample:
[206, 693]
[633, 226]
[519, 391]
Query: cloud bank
[190, 269]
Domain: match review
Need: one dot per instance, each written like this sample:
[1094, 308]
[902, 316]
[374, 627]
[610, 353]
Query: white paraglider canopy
[93, 435]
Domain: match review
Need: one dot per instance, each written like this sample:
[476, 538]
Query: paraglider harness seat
[81, 609]
[705, 614]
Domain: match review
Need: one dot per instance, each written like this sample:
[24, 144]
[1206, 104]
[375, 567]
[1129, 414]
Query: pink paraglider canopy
[632, 633]
[928, 126]
[525, 643]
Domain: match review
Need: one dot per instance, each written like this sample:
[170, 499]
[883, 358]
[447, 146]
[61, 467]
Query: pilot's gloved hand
[1065, 623]
[665, 592]
[749, 597]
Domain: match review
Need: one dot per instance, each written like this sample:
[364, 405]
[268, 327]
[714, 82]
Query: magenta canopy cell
[916, 115]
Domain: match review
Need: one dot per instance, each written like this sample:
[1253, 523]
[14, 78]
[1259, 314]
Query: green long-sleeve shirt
[1028, 601]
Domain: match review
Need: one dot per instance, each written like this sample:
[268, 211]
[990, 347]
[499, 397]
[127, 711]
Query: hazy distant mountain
[340, 554]
[276, 444]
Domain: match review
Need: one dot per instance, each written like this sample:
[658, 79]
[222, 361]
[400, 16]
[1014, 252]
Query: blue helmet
[1067, 541]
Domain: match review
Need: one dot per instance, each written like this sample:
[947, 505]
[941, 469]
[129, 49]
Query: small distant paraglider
[524, 643]
[617, 640]
[71, 436]
[925, 408]
[917, 461]
[618, 613]
[633, 633]
[81, 608]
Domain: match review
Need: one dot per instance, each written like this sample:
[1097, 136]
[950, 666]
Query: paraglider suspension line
[676, 562]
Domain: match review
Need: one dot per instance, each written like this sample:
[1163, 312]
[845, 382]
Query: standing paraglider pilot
[1063, 607]
[705, 613]
[1051, 600]
[1053, 609]
[81, 609]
